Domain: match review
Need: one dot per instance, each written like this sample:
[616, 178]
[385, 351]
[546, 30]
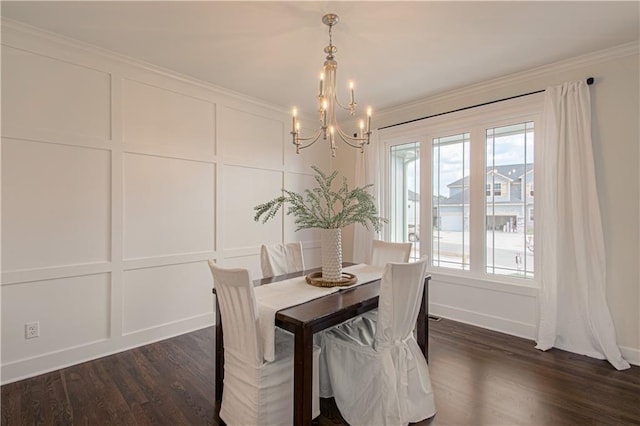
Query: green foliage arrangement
[323, 207]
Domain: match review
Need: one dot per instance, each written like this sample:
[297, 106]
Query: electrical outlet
[31, 330]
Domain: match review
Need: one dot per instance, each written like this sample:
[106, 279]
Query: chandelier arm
[346, 138]
[313, 140]
[346, 108]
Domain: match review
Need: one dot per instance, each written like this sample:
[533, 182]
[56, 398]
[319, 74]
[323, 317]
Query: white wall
[616, 112]
[119, 181]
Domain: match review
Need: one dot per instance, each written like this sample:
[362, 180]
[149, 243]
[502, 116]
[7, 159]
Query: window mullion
[426, 201]
[477, 198]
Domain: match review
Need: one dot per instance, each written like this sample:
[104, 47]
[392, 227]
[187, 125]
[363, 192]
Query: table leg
[422, 326]
[303, 377]
[219, 356]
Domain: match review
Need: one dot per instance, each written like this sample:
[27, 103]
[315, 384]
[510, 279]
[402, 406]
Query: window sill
[506, 285]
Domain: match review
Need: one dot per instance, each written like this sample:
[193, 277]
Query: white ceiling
[396, 52]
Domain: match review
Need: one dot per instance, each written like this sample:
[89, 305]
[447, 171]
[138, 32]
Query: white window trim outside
[473, 121]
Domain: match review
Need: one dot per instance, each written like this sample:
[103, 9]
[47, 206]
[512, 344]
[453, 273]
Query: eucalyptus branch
[317, 207]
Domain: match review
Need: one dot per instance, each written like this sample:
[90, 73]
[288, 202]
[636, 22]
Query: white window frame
[474, 121]
[385, 190]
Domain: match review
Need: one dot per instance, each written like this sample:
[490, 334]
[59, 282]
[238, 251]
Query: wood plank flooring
[479, 377]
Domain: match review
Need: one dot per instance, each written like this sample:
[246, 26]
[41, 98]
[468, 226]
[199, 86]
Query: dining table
[306, 319]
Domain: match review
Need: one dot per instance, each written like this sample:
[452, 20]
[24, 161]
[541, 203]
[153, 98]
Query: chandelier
[328, 104]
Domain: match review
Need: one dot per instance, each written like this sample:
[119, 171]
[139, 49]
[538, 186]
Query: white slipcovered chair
[383, 252]
[255, 392]
[378, 374]
[278, 259]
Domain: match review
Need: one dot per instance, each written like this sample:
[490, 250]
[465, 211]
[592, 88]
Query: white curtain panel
[573, 308]
[366, 166]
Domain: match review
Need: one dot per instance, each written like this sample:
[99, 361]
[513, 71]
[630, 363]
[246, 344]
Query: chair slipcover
[255, 392]
[383, 252]
[378, 373]
[278, 259]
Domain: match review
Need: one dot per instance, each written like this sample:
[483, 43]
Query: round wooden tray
[315, 279]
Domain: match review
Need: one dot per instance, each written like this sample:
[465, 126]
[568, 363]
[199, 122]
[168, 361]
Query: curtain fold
[574, 314]
[366, 165]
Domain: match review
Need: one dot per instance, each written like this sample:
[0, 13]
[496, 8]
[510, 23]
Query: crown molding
[623, 50]
[38, 34]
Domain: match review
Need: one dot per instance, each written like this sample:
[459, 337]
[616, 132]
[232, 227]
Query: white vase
[331, 254]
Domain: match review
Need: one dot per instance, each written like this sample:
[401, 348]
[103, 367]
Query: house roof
[509, 171]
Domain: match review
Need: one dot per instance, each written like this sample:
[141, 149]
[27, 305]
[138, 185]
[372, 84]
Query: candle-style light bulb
[324, 113]
[333, 142]
[294, 113]
[368, 119]
[351, 90]
[321, 84]
[361, 128]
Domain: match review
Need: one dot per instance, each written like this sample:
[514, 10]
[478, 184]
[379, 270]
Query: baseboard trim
[632, 355]
[35, 366]
[480, 319]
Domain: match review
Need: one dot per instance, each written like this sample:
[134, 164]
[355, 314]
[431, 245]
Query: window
[450, 180]
[509, 156]
[404, 195]
[477, 199]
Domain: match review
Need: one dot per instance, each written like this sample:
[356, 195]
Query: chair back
[401, 291]
[239, 312]
[278, 259]
[383, 252]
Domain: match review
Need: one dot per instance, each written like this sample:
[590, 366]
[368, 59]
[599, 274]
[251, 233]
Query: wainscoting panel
[45, 95]
[244, 188]
[167, 121]
[155, 297]
[56, 205]
[168, 206]
[250, 137]
[71, 312]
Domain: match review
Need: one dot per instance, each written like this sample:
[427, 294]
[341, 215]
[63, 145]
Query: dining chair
[377, 372]
[383, 252]
[255, 392]
[278, 259]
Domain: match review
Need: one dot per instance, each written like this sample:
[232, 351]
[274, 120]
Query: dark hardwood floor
[479, 377]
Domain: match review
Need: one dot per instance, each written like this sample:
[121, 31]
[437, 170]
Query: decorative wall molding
[164, 267]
